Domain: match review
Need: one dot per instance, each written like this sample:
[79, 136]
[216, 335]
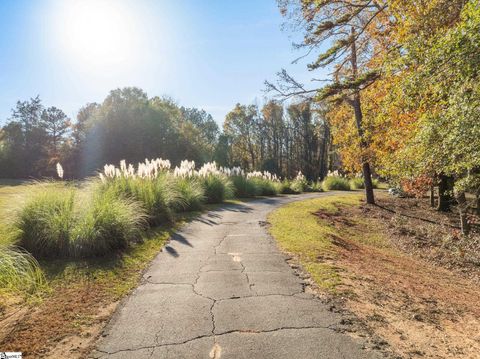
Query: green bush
[335, 183]
[245, 187]
[217, 188]
[18, 270]
[190, 193]
[64, 223]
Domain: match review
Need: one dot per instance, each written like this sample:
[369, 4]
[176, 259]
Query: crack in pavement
[213, 336]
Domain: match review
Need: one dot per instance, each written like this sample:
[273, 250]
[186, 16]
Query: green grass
[300, 232]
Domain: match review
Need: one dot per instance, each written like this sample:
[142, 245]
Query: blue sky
[206, 54]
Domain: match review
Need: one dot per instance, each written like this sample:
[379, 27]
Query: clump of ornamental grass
[299, 184]
[245, 187]
[46, 220]
[265, 187]
[105, 223]
[265, 182]
[19, 270]
[190, 192]
[216, 184]
[62, 222]
[286, 187]
[359, 183]
[315, 186]
[335, 183]
[158, 196]
[217, 188]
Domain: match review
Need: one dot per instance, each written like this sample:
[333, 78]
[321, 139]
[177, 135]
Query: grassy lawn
[300, 232]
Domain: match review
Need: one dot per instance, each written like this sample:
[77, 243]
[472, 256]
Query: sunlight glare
[98, 34]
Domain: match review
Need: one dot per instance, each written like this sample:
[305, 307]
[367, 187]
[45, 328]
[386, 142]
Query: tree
[240, 125]
[29, 137]
[56, 126]
[348, 27]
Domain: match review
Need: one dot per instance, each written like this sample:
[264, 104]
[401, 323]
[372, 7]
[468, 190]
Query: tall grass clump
[216, 183]
[359, 183]
[46, 220]
[64, 223]
[245, 187]
[267, 184]
[106, 223]
[286, 187]
[335, 183]
[19, 270]
[217, 188]
[299, 184]
[190, 194]
[150, 184]
[315, 186]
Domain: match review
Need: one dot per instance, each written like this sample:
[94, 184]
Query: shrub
[245, 187]
[335, 183]
[64, 223]
[190, 192]
[19, 270]
[217, 188]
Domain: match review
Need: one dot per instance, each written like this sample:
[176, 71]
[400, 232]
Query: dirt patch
[64, 325]
[413, 290]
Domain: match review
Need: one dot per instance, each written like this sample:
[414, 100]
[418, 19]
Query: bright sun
[98, 34]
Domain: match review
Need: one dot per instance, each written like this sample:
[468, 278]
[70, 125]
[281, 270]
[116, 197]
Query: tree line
[403, 98]
[128, 125]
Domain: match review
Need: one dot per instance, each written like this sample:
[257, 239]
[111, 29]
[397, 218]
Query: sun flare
[97, 34]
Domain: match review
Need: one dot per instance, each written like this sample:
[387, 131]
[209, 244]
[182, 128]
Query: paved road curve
[222, 289]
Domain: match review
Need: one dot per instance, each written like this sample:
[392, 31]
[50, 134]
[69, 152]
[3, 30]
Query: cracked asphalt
[222, 289]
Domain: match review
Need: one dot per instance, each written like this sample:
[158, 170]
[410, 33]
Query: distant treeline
[129, 125]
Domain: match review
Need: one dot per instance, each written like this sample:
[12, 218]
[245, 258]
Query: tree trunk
[432, 196]
[357, 108]
[445, 188]
[477, 202]
[462, 209]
